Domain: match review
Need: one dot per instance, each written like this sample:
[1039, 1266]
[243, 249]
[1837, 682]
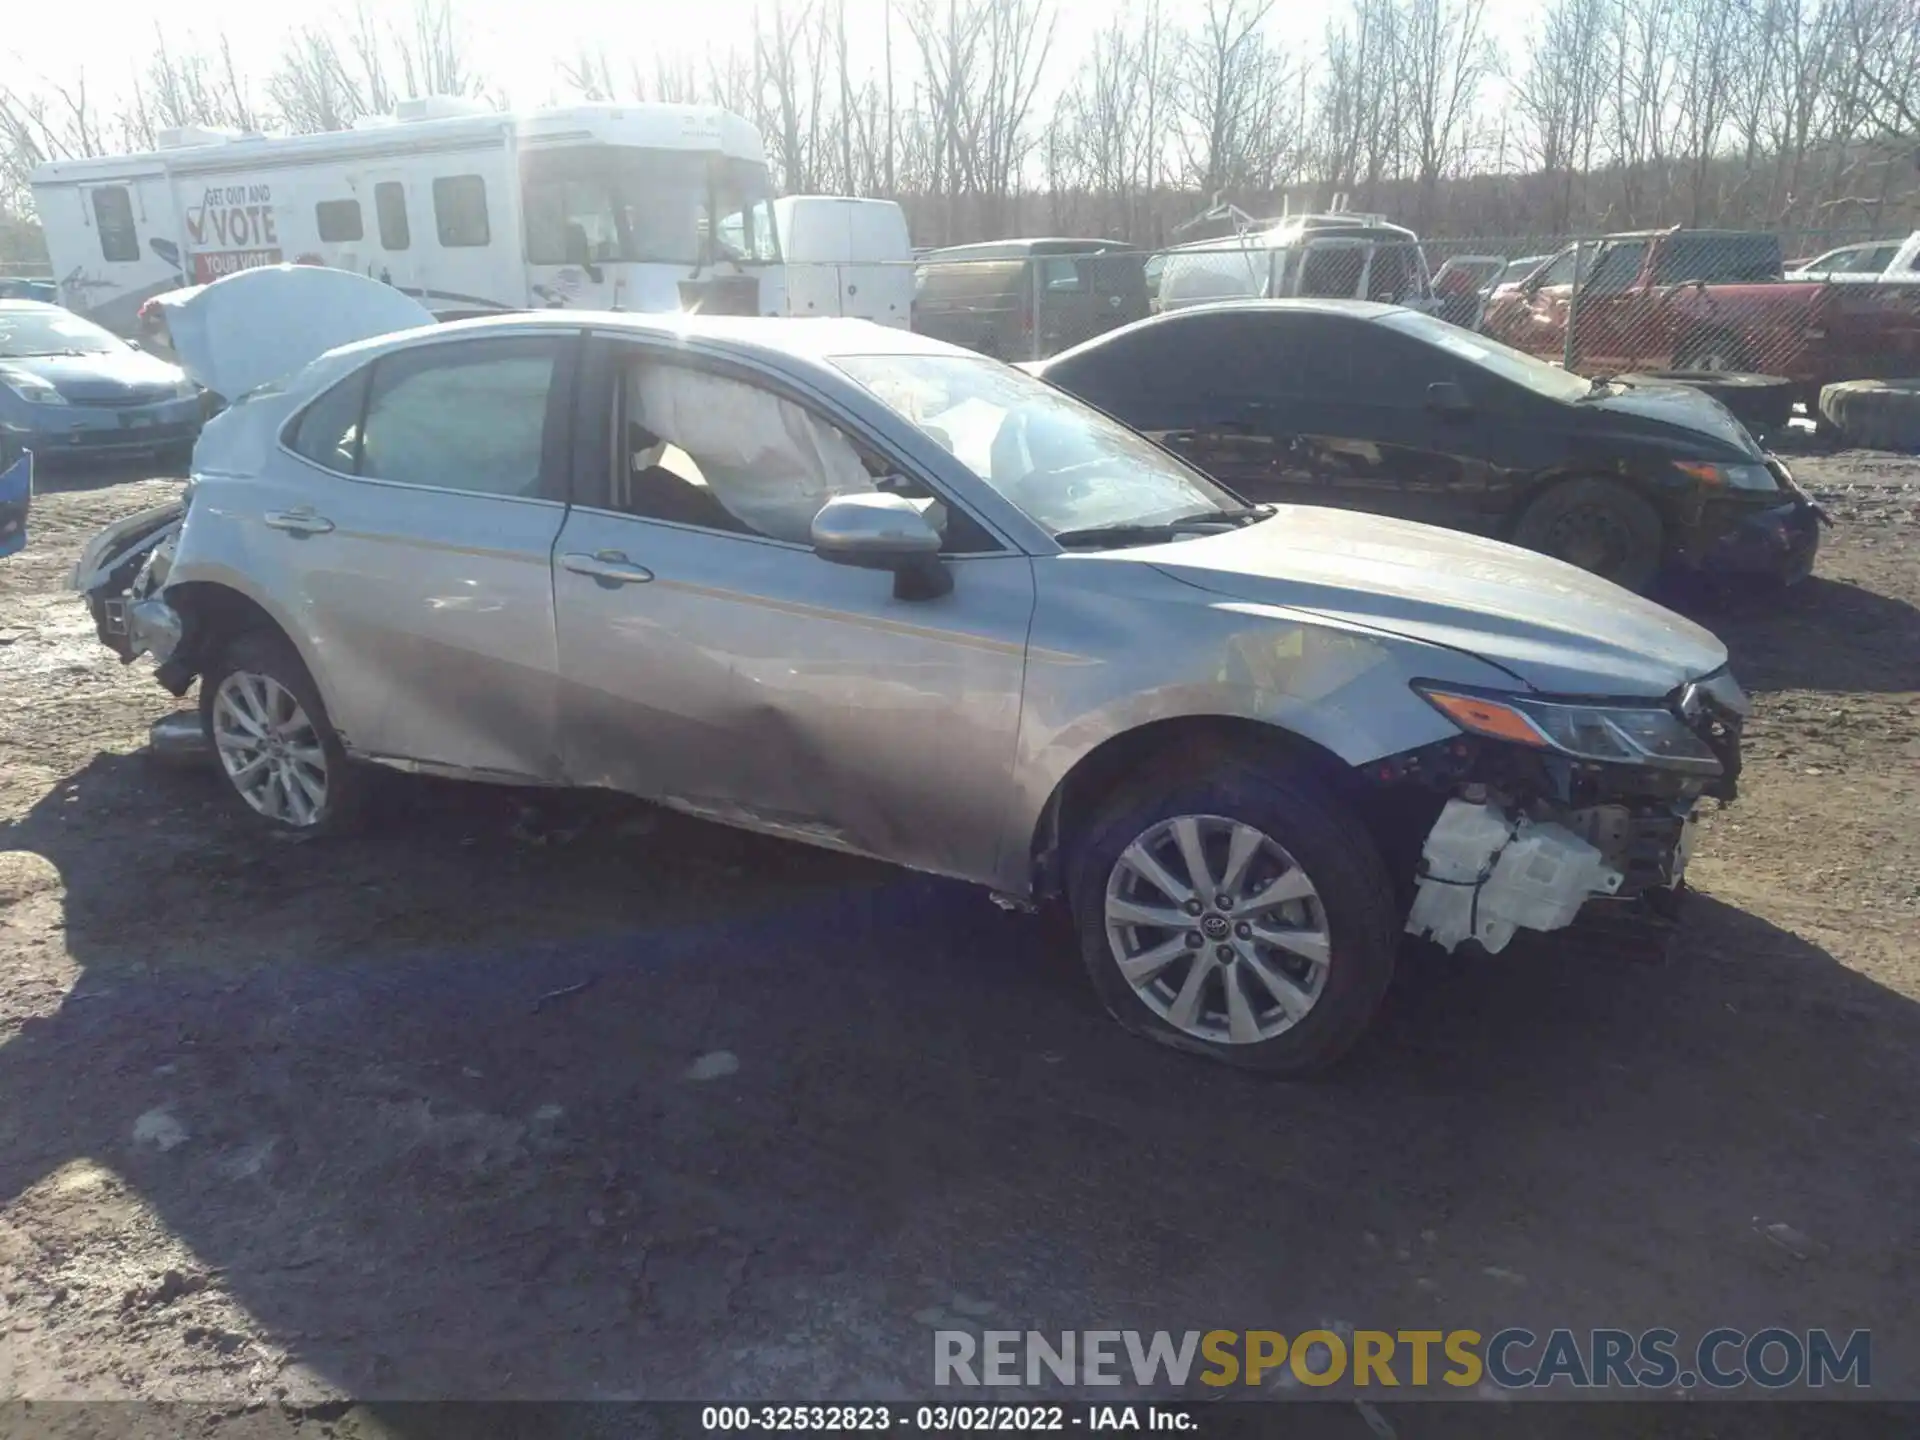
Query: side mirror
[1447, 399]
[880, 531]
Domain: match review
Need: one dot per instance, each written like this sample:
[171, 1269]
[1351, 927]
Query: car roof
[35, 305]
[819, 339]
[1015, 249]
[1367, 310]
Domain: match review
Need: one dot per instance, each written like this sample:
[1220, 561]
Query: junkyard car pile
[862, 588]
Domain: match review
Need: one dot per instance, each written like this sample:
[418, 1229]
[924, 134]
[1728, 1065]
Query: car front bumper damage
[1525, 841]
[1748, 541]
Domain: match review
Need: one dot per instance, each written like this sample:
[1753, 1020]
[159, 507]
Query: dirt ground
[517, 1098]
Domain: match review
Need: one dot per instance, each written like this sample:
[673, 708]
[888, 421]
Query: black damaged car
[1376, 407]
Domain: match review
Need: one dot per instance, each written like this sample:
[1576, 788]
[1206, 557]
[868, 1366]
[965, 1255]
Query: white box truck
[846, 256]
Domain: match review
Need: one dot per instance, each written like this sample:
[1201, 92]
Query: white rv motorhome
[612, 207]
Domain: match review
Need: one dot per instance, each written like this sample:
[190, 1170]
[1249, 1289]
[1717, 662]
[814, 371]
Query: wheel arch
[213, 609]
[1077, 796]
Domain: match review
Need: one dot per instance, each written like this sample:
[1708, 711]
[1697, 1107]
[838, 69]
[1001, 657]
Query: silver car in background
[853, 586]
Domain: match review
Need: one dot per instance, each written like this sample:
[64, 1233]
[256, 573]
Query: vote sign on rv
[232, 229]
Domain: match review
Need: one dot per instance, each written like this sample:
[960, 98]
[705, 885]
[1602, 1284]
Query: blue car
[16, 494]
[21, 289]
[67, 387]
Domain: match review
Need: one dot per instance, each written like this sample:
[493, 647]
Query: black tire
[1718, 352]
[269, 654]
[1600, 525]
[1875, 414]
[1361, 915]
[1763, 403]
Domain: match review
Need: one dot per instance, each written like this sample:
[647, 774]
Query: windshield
[1502, 360]
[52, 332]
[605, 204]
[1067, 466]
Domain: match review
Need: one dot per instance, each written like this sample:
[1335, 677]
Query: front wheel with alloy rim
[277, 752]
[1243, 914]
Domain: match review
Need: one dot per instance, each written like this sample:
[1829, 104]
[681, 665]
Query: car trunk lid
[258, 326]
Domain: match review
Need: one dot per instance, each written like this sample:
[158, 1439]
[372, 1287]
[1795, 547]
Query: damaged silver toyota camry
[855, 587]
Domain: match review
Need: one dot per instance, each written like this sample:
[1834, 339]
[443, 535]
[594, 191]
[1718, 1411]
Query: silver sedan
[862, 589]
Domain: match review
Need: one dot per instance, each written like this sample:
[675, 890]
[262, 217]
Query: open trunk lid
[257, 326]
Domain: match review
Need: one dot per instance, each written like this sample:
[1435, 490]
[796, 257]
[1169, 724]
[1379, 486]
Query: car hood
[1677, 407]
[115, 375]
[257, 326]
[1558, 628]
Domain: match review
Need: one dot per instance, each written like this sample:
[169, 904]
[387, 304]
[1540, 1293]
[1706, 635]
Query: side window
[1332, 269]
[1560, 272]
[1914, 263]
[1061, 275]
[468, 416]
[339, 220]
[1617, 268]
[1880, 258]
[113, 217]
[328, 430]
[460, 210]
[1387, 368]
[390, 209]
[722, 454]
[1217, 358]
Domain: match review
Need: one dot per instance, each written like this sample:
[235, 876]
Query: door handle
[610, 567]
[298, 522]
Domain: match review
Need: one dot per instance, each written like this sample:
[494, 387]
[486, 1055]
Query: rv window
[339, 220]
[113, 210]
[390, 209]
[460, 210]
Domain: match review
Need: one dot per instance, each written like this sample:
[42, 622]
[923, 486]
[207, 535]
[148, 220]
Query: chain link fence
[1808, 307]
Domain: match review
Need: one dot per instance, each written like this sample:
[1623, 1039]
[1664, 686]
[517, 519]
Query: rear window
[1718, 259]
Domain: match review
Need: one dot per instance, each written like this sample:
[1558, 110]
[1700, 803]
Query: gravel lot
[517, 1098]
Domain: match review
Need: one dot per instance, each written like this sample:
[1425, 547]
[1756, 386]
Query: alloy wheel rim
[1218, 930]
[269, 749]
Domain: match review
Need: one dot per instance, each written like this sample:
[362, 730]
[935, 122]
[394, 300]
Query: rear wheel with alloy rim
[277, 751]
[1243, 914]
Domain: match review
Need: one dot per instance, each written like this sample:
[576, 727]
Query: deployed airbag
[767, 460]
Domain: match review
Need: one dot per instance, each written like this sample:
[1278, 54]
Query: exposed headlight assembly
[1757, 478]
[1606, 734]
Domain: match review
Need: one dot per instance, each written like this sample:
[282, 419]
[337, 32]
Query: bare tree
[1444, 59]
[1559, 94]
[1232, 87]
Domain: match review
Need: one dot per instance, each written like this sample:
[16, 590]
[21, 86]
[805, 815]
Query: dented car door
[710, 660]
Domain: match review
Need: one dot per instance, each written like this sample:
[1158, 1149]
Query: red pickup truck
[1705, 300]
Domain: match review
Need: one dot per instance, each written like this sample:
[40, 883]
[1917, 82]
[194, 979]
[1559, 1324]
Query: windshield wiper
[1600, 384]
[1132, 532]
